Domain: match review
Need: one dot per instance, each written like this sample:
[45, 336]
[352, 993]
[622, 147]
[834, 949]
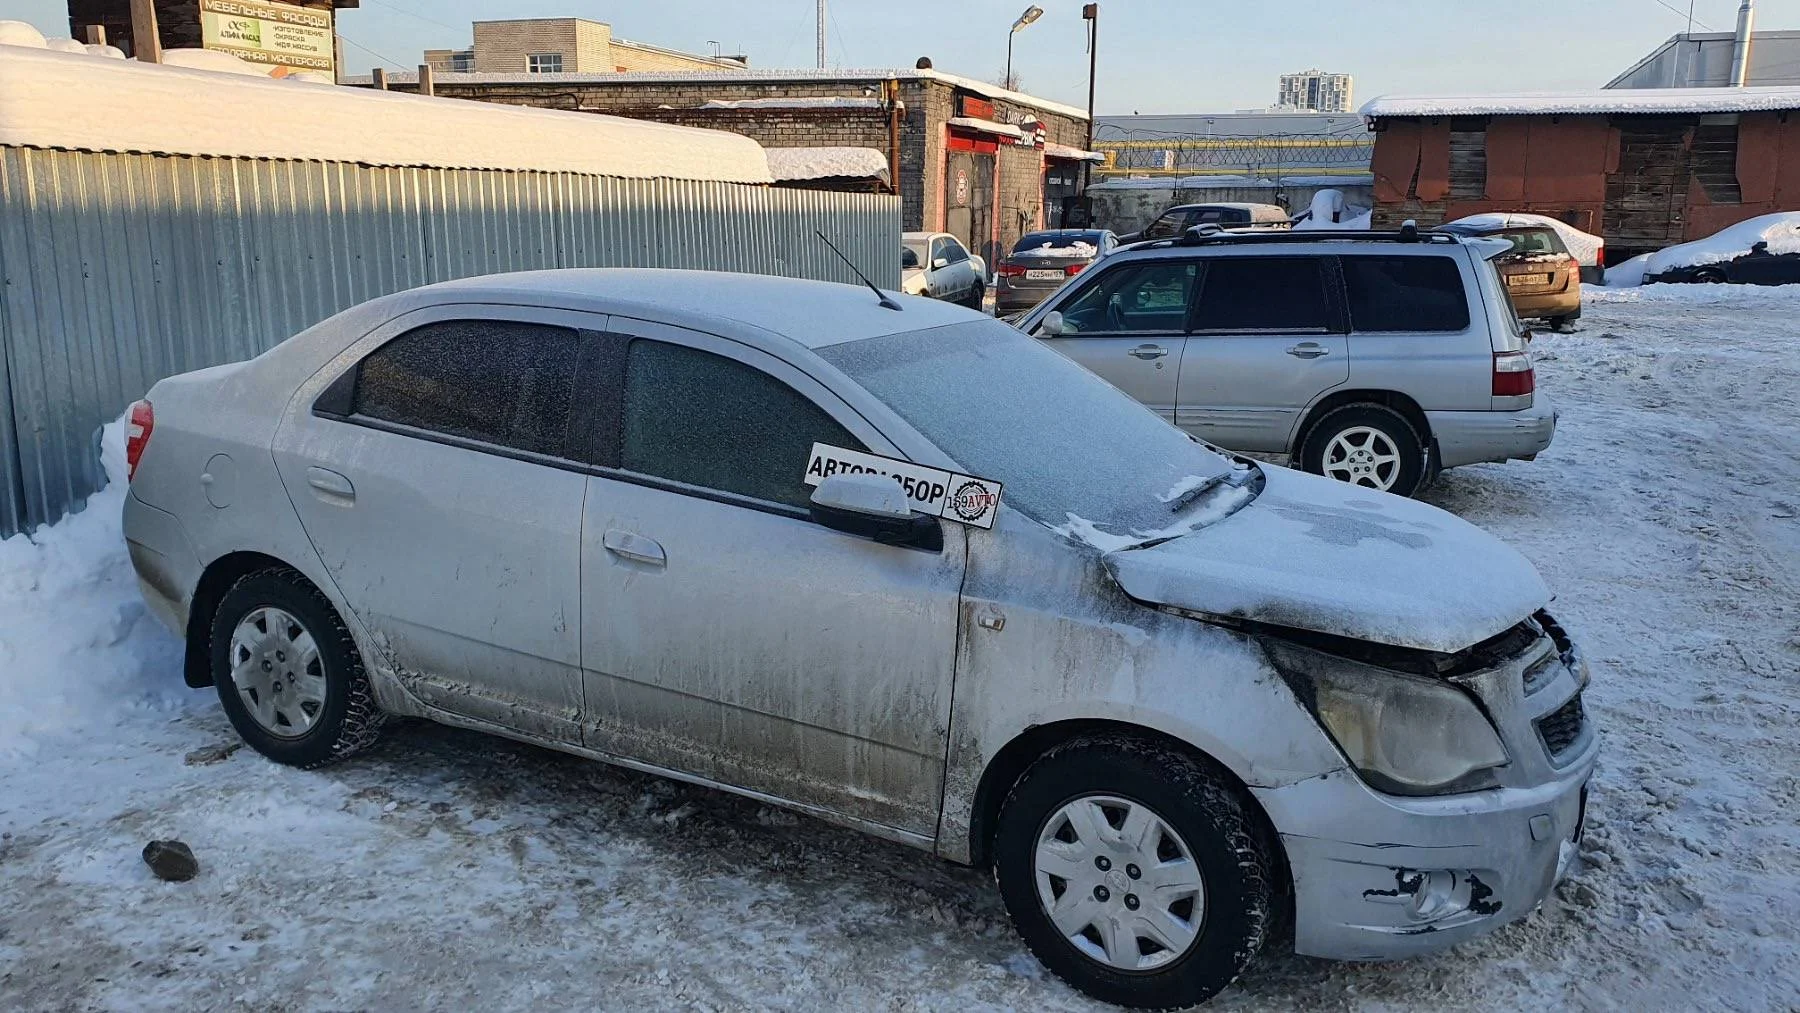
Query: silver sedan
[905, 571]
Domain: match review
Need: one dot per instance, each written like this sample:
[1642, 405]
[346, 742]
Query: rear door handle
[634, 547]
[1148, 352]
[1308, 350]
[330, 483]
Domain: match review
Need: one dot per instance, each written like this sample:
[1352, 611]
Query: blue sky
[1164, 56]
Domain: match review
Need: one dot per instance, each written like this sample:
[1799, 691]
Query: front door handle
[1308, 350]
[634, 547]
[1148, 352]
[332, 484]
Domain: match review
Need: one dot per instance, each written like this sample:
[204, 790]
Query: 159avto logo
[972, 500]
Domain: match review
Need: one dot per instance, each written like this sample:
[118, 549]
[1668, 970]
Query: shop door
[969, 193]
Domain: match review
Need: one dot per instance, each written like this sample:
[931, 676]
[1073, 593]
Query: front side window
[954, 251]
[1146, 296]
[709, 421]
[937, 251]
[1266, 294]
[544, 63]
[1405, 294]
[494, 381]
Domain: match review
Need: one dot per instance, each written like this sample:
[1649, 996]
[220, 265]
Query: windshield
[1071, 450]
[1534, 243]
[911, 256]
[1087, 242]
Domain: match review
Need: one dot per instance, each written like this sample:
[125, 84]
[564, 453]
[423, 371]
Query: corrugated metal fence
[120, 269]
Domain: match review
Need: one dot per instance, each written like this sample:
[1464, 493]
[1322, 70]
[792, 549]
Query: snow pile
[1330, 210]
[1073, 251]
[1604, 101]
[1780, 230]
[1584, 246]
[55, 100]
[76, 642]
[803, 102]
[19, 33]
[213, 60]
[826, 163]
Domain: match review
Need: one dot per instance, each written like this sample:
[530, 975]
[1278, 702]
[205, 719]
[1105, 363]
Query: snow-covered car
[911, 572]
[1042, 261]
[1760, 251]
[1588, 249]
[936, 265]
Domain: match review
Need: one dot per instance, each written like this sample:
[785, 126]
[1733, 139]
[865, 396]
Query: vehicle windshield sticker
[962, 498]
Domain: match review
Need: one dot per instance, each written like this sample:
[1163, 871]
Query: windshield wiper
[1187, 499]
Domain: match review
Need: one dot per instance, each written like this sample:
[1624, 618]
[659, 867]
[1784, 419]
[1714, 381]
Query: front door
[429, 483]
[1129, 326]
[1268, 338]
[727, 636]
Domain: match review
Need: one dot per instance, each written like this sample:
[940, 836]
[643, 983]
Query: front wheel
[1368, 445]
[1135, 873]
[288, 672]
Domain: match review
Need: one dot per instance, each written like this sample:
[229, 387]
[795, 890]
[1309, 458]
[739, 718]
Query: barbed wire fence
[1268, 156]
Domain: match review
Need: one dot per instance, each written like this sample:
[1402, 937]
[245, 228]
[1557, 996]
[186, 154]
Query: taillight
[1513, 375]
[137, 435]
[1074, 269]
[1011, 271]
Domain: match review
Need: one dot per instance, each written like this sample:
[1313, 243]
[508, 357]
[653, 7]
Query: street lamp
[1031, 14]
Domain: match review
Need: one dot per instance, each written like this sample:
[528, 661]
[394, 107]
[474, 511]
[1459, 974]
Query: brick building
[564, 46]
[969, 158]
[1644, 169]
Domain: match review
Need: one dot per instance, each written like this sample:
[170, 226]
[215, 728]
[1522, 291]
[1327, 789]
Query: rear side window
[496, 381]
[1250, 294]
[705, 420]
[1405, 294]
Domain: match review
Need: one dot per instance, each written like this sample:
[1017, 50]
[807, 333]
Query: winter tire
[1134, 872]
[288, 673]
[1367, 445]
[977, 296]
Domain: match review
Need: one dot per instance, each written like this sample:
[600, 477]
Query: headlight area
[1405, 734]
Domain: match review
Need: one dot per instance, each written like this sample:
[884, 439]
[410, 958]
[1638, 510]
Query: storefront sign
[282, 35]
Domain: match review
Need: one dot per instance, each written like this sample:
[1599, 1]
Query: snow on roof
[824, 163]
[802, 102]
[976, 123]
[57, 100]
[1055, 150]
[1598, 102]
[728, 77]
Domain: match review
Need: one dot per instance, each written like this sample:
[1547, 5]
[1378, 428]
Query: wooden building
[296, 34]
[1644, 169]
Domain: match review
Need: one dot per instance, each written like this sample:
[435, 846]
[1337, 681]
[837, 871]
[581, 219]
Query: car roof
[1321, 241]
[813, 314]
[1235, 205]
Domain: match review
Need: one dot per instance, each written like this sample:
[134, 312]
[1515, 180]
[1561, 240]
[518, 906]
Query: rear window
[495, 381]
[1535, 242]
[1057, 241]
[1284, 294]
[1405, 294]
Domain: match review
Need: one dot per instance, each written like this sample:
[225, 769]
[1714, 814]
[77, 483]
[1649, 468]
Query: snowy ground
[447, 870]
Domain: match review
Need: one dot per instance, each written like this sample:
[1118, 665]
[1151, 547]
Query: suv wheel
[1369, 445]
[288, 673]
[1134, 873]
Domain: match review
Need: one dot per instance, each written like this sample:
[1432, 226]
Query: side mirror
[1052, 325]
[876, 508]
[940, 263]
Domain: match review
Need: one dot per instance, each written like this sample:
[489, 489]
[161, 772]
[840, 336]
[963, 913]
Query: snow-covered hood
[1315, 554]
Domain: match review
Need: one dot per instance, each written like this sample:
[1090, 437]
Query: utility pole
[146, 44]
[1091, 14]
[821, 34]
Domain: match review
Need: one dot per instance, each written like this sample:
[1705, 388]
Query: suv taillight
[1010, 271]
[137, 435]
[1513, 375]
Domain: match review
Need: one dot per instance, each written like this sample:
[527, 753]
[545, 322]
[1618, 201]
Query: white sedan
[936, 265]
[911, 572]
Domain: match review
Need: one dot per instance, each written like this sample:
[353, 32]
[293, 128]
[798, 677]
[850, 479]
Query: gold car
[1541, 276]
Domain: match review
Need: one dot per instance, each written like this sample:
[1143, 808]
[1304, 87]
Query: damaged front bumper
[1380, 876]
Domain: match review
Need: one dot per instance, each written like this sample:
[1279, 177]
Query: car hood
[1315, 554]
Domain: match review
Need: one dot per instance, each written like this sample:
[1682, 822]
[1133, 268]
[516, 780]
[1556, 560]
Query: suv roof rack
[1212, 235]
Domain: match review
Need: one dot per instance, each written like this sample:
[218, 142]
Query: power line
[1688, 14]
[386, 60]
[411, 14]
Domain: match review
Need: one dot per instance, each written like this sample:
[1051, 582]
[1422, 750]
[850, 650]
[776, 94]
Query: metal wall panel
[119, 269]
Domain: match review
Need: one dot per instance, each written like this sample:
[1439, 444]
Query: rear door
[1267, 340]
[432, 478]
[1129, 325]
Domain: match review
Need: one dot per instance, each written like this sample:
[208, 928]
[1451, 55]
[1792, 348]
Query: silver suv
[1373, 358]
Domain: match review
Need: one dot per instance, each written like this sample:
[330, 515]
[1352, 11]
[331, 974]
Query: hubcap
[276, 670]
[1363, 456]
[1119, 883]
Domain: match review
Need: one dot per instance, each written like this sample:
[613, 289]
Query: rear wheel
[1710, 276]
[977, 297]
[288, 673]
[1368, 445]
[1135, 873]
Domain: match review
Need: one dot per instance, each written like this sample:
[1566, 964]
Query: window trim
[531, 58]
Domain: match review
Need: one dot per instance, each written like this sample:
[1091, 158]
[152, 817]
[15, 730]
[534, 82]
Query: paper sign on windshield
[962, 498]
